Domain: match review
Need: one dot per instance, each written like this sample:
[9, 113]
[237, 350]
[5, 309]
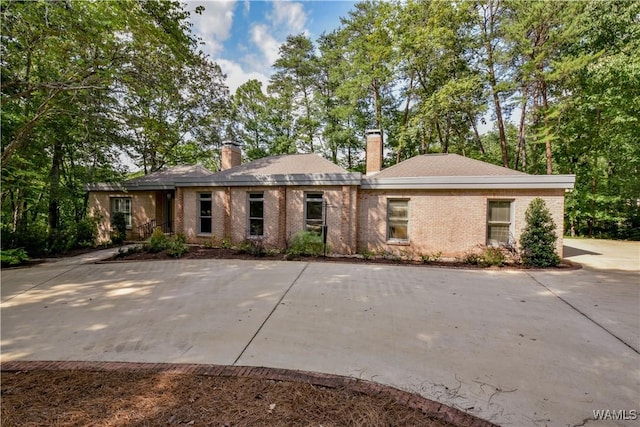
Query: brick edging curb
[411, 400]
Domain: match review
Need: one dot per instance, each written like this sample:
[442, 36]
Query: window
[204, 213]
[256, 214]
[313, 213]
[398, 220]
[122, 205]
[498, 222]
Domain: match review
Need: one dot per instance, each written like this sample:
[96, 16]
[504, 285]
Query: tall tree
[490, 16]
[446, 92]
[370, 58]
[67, 69]
[295, 73]
[250, 118]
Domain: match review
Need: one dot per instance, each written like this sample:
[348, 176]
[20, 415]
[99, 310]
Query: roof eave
[104, 186]
[273, 180]
[150, 186]
[471, 182]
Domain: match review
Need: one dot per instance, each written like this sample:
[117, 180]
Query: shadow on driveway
[570, 251]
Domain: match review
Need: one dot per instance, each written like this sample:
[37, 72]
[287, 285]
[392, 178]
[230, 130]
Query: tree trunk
[521, 149]
[488, 30]
[378, 109]
[54, 186]
[405, 117]
[547, 136]
[442, 146]
[476, 134]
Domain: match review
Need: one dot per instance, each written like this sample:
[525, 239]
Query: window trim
[200, 216]
[306, 200]
[249, 217]
[511, 222]
[129, 214]
[394, 240]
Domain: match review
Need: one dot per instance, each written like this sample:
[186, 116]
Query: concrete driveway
[519, 348]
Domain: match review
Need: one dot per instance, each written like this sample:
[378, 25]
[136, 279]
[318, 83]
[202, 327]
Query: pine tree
[537, 242]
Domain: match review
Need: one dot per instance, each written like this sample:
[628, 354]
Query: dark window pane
[500, 211]
[314, 227]
[256, 227]
[314, 210]
[205, 225]
[205, 208]
[398, 209]
[398, 231]
[256, 209]
[498, 234]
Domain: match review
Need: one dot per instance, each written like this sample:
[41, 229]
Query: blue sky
[243, 37]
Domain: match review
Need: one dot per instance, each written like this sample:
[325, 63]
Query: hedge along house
[430, 203]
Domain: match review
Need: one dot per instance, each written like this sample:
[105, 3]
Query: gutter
[566, 182]
[272, 180]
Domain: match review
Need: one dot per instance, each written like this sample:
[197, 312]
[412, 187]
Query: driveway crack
[584, 314]
[271, 313]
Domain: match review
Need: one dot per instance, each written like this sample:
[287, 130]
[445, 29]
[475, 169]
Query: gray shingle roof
[287, 164]
[289, 169]
[430, 165]
[169, 175]
[160, 180]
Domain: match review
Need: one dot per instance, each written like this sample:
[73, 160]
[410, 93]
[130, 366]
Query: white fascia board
[273, 180]
[150, 186]
[471, 182]
[104, 186]
[109, 186]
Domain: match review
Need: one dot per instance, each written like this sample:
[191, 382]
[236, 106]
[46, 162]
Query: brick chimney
[374, 151]
[231, 156]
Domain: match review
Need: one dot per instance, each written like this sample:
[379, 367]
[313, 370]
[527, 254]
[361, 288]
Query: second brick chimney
[374, 151]
[231, 156]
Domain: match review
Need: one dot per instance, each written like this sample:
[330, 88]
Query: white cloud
[253, 57]
[285, 18]
[266, 42]
[237, 76]
[291, 14]
[214, 25]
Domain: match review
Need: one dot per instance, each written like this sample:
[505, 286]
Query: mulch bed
[115, 398]
[200, 252]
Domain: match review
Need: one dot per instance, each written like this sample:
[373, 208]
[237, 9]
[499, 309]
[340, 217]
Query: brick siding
[143, 209]
[452, 222]
[448, 221]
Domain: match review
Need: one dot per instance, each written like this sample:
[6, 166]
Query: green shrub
[492, 256]
[305, 243]
[13, 256]
[366, 253]
[33, 239]
[157, 242]
[472, 258]
[177, 247]
[429, 258]
[211, 243]
[60, 241]
[86, 232]
[538, 239]
[119, 228]
[253, 248]
[226, 243]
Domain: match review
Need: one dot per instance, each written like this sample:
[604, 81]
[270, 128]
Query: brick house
[430, 203]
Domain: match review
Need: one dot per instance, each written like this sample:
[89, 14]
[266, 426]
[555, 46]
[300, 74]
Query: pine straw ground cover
[82, 398]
